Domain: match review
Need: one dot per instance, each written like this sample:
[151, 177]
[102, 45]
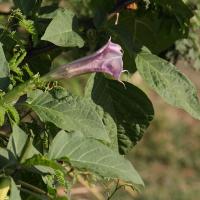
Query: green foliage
[90, 154]
[77, 111]
[63, 30]
[126, 113]
[110, 119]
[168, 82]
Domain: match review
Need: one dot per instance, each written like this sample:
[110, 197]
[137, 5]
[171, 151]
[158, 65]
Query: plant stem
[35, 188]
[117, 187]
[29, 192]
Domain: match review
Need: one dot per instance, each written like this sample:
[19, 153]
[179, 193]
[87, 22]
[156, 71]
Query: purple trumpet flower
[107, 59]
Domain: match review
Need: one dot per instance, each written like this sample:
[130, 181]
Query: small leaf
[24, 5]
[12, 112]
[69, 112]
[30, 27]
[63, 30]
[126, 113]
[4, 71]
[170, 83]
[88, 153]
[124, 33]
[100, 17]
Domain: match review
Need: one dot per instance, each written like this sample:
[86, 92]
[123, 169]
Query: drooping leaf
[24, 5]
[42, 161]
[126, 113]
[124, 33]
[100, 17]
[90, 154]
[170, 83]
[14, 192]
[69, 112]
[4, 71]
[63, 30]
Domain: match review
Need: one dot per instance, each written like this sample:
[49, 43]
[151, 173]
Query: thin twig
[29, 192]
[34, 188]
[120, 6]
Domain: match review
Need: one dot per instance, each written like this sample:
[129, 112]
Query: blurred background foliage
[168, 156]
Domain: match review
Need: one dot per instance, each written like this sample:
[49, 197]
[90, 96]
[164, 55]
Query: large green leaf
[63, 30]
[4, 71]
[69, 112]
[88, 153]
[126, 113]
[170, 83]
[14, 192]
[24, 5]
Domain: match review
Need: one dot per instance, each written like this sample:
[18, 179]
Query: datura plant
[83, 136]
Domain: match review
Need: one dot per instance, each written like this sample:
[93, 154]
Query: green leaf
[2, 114]
[14, 192]
[170, 83]
[15, 145]
[30, 27]
[48, 12]
[68, 112]
[3, 157]
[24, 5]
[12, 112]
[100, 17]
[42, 161]
[63, 30]
[4, 71]
[90, 154]
[126, 113]
[124, 33]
